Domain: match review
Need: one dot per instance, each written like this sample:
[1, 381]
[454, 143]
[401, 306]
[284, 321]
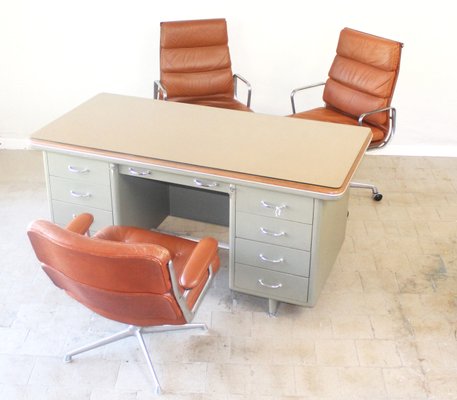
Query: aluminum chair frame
[393, 124]
[160, 89]
[138, 331]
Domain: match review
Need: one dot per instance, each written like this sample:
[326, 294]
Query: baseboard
[419, 150]
[14, 143]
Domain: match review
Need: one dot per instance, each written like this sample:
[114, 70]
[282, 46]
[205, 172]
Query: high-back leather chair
[360, 87]
[151, 281]
[195, 65]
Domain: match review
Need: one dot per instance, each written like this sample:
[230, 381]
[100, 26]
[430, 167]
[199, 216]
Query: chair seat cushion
[180, 249]
[213, 101]
[328, 115]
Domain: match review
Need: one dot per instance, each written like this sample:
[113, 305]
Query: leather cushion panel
[328, 115]
[218, 82]
[107, 265]
[354, 102]
[110, 280]
[195, 59]
[362, 77]
[369, 49]
[141, 309]
[194, 33]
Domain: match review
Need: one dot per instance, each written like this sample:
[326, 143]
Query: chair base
[375, 193]
[138, 332]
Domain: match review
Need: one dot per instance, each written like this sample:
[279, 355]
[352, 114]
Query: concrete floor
[383, 328]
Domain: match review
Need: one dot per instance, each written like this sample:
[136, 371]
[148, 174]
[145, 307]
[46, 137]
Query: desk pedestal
[282, 243]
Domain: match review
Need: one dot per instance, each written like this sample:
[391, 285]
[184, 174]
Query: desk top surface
[287, 149]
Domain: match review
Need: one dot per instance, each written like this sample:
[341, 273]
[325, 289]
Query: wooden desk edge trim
[326, 192]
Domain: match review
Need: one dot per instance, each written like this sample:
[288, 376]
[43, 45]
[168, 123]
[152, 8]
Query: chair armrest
[392, 112]
[237, 77]
[292, 94]
[81, 223]
[393, 117]
[198, 263]
[158, 87]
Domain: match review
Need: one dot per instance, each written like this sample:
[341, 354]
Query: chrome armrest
[392, 117]
[292, 94]
[181, 297]
[158, 87]
[248, 85]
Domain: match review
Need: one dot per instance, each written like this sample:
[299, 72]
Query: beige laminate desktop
[282, 182]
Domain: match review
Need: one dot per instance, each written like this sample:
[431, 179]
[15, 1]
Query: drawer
[277, 258]
[275, 204]
[271, 284]
[273, 230]
[65, 212]
[190, 181]
[84, 193]
[82, 169]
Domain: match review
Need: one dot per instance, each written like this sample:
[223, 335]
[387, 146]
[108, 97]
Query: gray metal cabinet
[285, 244]
[77, 185]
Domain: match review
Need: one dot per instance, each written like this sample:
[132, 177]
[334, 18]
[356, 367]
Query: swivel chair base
[375, 193]
[137, 331]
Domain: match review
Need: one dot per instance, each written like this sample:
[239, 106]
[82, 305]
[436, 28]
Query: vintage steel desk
[282, 182]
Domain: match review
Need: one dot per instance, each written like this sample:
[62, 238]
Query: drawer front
[271, 284]
[65, 212]
[83, 193]
[277, 258]
[200, 183]
[82, 169]
[275, 204]
[273, 230]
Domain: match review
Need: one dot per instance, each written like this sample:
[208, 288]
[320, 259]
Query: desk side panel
[330, 218]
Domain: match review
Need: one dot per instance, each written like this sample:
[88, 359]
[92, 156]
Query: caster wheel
[377, 197]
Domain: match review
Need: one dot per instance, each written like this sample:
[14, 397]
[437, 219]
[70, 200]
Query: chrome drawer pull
[76, 170]
[79, 195]
[277, 261]
[278, 208]
[200, 183]
[271, 233]
[262, 283]
[135, 172]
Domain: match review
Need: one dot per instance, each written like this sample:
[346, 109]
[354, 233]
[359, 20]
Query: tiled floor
[384, 327]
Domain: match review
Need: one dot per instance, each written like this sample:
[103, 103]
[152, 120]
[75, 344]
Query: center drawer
[185, 180]
[273, 230]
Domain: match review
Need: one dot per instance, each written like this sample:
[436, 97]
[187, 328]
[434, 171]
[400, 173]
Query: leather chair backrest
[195, 58]
[127, 282]
[363, 75]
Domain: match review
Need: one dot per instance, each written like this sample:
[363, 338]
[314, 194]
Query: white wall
[54, 54]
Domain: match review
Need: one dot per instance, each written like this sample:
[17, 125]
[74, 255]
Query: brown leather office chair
[359, 88]
[195, 65]
[151, 281]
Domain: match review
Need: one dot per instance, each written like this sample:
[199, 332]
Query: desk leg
[272, 307]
